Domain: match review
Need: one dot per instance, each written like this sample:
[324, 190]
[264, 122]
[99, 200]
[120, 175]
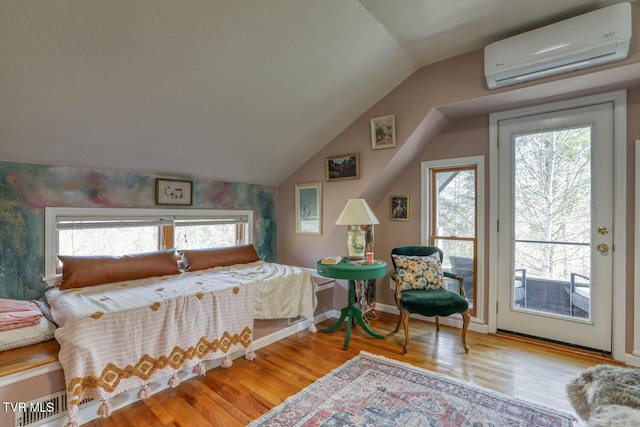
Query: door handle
[603, 247]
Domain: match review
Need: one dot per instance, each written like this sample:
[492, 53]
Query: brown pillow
[79, 271]
[199, 259]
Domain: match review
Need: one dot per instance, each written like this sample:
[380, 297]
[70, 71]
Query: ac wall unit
[584, 41]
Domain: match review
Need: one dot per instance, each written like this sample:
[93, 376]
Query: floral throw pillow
[419, 272]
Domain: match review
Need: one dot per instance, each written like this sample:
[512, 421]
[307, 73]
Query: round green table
[352, 271]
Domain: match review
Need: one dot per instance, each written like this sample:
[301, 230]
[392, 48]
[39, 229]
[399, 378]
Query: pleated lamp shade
[357, 212]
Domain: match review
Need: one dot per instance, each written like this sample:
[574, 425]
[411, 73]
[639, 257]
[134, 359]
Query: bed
[123, 334]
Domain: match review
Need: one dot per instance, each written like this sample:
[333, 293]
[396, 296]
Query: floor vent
[43, 410]
[294, 320]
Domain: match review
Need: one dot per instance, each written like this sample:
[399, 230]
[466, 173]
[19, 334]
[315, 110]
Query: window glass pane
[453, 199]
[552, 221]
[552, 192]
[458, 259]
[455, 203]
[205, 236]
[107, 241]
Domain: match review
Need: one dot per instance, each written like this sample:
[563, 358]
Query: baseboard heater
[44, 410]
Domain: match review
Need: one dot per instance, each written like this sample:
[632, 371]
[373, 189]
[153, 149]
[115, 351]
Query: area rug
[371, 390]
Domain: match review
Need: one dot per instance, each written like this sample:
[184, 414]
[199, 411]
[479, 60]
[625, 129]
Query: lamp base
[355, 242]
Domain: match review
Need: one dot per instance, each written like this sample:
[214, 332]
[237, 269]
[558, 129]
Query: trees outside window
[552, 202]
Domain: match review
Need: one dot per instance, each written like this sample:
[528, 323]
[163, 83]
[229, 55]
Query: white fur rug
[607, 396]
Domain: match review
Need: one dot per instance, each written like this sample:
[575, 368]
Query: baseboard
[331, 314]
[455, 320]
[632, 360]
[284, 333]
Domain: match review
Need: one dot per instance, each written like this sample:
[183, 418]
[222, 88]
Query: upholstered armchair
[421, 289]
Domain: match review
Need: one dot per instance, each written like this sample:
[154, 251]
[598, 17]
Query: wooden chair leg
[405, 324]
[438, 323]
[399, 320]
[466, 318]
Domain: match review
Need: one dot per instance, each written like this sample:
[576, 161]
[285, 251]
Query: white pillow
[22, 337]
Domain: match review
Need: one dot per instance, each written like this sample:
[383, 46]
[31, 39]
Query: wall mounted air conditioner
[591, 39]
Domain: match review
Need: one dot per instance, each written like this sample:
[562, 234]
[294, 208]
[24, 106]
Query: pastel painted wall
[441, 111]
[461, 138]
[26, 189]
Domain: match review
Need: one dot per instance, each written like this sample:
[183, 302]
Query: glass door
[556, 186]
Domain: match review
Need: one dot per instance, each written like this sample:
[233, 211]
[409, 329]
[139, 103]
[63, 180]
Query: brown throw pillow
[79, 271]
[200, 259]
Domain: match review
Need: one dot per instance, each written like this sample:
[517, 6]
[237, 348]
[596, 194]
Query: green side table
[352, 271]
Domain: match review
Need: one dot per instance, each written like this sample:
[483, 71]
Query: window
[96, 231]
[107, 236]
[201, 234]
[453, 198]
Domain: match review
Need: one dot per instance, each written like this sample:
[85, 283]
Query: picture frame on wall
[383, 132]
[308, 200]
[174, 192]
[345, 166]
[399, 208]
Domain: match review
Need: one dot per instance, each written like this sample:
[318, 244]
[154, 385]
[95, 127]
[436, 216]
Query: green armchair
[420, 288]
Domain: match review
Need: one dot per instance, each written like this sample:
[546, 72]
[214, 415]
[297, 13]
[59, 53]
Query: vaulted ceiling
[235, 90]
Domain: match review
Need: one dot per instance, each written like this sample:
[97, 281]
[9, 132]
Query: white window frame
[53, 213]
[478, 323]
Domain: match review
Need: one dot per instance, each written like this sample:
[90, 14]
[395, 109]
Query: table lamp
[355, 214]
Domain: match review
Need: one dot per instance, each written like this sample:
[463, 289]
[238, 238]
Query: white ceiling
[235, 90]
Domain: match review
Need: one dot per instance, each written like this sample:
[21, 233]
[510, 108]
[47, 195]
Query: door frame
[596, 124]
[619, 100]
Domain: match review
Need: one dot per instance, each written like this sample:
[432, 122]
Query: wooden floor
[233, 397]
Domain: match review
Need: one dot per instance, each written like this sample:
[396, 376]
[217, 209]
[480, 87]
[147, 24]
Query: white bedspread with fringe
[282, 291]
[119, 336]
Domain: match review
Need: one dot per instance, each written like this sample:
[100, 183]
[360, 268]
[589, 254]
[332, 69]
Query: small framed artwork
[173, 192]
[399, 208]
[383, 132]
[346, 166]
[309, 208]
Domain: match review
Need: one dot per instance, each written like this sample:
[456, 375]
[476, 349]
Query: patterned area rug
[371, 390]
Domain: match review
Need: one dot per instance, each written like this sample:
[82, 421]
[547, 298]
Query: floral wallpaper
[26, 189]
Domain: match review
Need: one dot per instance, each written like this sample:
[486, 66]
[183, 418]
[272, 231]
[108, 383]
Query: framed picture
[346, 166]
[173, 192]
[309, 208]
[399, 208]
[383, 132]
